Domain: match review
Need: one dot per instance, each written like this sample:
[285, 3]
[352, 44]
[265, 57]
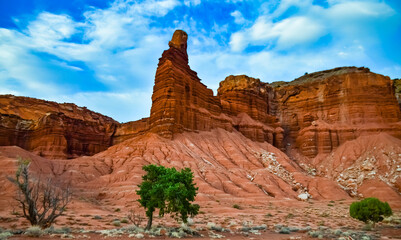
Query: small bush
[370, 210]
[236, 206]
[135, 217]
[124, 220]
[5, 235]
[116, 223]
[290, 215]
[34, 231]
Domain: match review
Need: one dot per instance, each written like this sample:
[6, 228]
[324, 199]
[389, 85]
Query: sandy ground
[329, 215]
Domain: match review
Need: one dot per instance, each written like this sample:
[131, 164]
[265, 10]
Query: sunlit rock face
[180, 102]
[248, 99]
[397, 88]
[53, 130]
[321, 111]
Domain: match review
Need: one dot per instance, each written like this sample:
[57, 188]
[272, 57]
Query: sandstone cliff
[180, 102]
[397, 87]
[53, 130]
[321, 111]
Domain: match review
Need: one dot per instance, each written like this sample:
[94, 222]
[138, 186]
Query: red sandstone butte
[322, 110]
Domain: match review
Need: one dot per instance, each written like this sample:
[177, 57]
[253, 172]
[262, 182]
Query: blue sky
[104, 54]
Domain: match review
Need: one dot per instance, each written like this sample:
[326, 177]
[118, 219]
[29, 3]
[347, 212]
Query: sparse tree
[41, 203]
[168, 190]
[370, 210]
[135, 218]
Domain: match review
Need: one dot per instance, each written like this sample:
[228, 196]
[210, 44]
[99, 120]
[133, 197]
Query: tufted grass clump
[34, 231]
[116, 223]
[5, 235]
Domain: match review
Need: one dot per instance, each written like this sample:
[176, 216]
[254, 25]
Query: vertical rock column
[180, 101]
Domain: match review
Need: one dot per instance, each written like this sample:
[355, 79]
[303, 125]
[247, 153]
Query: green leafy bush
[370, 210]
[168, 190]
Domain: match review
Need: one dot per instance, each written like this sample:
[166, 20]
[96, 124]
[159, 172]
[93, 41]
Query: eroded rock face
[53, 130]
[248, 99]
[397, 88]
[180, 102]
[320, 111]
[130, 129]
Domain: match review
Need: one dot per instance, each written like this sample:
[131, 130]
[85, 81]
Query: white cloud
[51, 27]
[286, 33]
[189, 3]
[238, 18]
[297, 30]
[343, 19]
[286, 4]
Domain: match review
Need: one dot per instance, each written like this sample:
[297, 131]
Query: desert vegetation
[370, 210]
[168, 190]
[41, 202]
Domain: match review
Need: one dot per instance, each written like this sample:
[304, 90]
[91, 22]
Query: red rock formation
[321, 111]
[53, 130]
[180, 102]
[248, 99]
[397, 87]
[130, 129]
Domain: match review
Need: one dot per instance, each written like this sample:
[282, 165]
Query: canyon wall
[53, 130]
[320, 111]
[397, 88]
[246, 99]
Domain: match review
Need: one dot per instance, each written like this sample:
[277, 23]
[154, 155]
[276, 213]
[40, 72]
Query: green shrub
[116, 223]
[236, 206]
[168, 190]
[370, 210]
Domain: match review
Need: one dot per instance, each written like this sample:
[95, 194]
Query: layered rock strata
[397, 88]
[321, 111]
[131, 129]
[248, 99]
[53, 130]
[180, 102]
